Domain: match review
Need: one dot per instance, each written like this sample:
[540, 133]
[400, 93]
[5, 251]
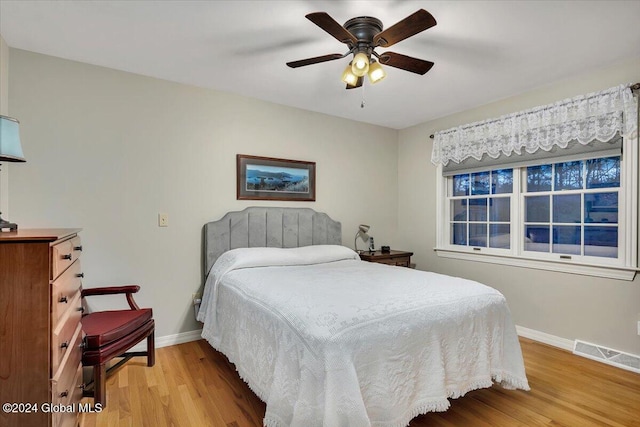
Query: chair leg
[151, 349]
[100, 384]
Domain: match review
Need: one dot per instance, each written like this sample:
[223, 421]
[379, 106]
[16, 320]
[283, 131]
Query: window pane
[500, 236]
[459, 234]
[459, 210]
[566, 208]
[502, 181]
[539, 178]
[566, 240]
[478, 235]
[479, 183]
[536, 239]
[477, 209]
[500, 209]
[601, 207]
[537, 209]
[603, 173]
[568, 176]
[601, 241]
[461, 185]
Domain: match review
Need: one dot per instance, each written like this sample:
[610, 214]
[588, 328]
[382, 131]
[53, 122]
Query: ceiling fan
[363, 35]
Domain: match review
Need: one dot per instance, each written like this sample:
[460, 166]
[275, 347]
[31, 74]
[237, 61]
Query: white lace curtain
[596, 116]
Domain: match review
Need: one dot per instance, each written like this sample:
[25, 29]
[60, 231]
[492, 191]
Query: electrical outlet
[638, 327]
[163, 220]
[196, 298]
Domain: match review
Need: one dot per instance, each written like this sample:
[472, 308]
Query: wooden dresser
[40, 332]
[399, 258]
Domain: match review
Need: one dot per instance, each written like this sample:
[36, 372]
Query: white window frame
[624, 267]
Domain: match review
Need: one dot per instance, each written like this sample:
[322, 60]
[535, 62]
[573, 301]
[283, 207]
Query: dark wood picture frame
[268, 178]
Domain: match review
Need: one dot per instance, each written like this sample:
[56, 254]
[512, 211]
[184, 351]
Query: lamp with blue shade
[10, 151]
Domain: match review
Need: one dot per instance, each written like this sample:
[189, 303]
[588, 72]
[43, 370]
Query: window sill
[609, 272]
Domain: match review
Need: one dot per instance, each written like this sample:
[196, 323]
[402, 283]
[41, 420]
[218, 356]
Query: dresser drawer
[391, 257]
[63, 290]
[401, 261]
[62, 385]
[64, 254]
[387, 261]
[69, 419]
[64, 330]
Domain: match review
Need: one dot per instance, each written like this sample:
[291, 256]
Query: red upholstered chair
[109, 334]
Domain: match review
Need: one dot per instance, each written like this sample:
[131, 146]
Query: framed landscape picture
[266, 178]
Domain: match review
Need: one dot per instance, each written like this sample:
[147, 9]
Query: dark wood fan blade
[358, 83]
[409, 26]
[316, 60]
[408, 63]
[327, 23]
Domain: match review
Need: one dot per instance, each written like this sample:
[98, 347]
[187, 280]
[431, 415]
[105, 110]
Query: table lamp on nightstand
[362, 232]
[10, 151]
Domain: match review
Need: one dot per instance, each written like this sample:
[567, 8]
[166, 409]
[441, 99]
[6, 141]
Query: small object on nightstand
[6, 225]
[385, 249]
[372, 246]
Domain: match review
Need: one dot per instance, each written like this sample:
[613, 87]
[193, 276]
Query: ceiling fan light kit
[363, 35]
[376, 72]
[360, 64]
[348, 76]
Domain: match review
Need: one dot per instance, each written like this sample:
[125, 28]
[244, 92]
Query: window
[571, 208]
[554, 214]
[481, 209]
[553, 187]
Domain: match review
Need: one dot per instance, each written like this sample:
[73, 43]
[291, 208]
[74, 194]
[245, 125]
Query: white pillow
[264, 257]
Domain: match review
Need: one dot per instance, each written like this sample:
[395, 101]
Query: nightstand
[399, 258]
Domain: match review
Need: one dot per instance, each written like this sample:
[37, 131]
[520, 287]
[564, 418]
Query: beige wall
[602, 311]
[108, 150]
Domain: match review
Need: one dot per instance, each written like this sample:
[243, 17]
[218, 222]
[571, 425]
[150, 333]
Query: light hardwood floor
[194, 385]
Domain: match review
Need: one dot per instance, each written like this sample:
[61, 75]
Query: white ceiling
[483, 50]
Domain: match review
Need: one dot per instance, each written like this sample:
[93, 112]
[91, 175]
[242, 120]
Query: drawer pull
[64, 345]
[67, 256]
[64, 393]
[63, 300]
[77, 248]
[83, 344]
[80, 275]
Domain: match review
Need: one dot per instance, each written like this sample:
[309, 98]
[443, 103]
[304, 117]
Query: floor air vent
[617, 358]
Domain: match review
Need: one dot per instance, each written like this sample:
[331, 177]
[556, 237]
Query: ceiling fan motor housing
[364, 28]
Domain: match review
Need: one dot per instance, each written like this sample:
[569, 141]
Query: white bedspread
[328, 340]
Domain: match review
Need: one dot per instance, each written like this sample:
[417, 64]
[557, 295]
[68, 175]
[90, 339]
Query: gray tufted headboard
[268, 227]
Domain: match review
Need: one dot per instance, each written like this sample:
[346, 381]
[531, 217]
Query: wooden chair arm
[129, 290]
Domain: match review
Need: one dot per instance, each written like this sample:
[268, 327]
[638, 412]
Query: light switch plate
[163, 220]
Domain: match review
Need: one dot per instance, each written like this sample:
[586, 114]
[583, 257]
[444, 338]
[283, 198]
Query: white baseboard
[180, 338]
[168, 340]
[545, 338]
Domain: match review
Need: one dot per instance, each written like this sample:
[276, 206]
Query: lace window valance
[596, 116]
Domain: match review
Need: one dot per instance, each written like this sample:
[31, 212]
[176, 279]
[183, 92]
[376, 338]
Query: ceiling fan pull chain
[362, 103]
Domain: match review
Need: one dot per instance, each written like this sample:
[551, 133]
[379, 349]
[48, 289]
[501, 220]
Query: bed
[325, 339]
